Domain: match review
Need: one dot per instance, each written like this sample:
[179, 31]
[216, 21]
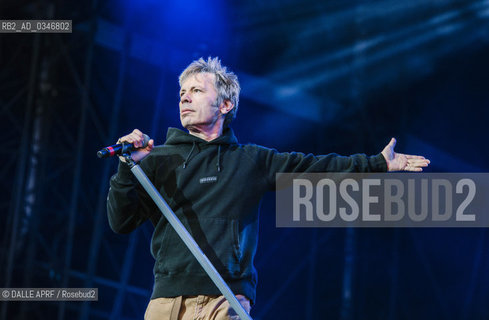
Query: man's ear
[226, 106]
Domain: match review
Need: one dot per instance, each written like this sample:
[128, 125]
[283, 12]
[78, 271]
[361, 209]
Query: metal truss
[55, 194]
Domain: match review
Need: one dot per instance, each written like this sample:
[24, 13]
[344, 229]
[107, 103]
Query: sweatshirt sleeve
[294, 162]
[128, 204]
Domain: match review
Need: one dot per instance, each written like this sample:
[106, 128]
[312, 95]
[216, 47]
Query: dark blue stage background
[316, 76]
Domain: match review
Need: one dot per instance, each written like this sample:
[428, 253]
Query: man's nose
[185, 97]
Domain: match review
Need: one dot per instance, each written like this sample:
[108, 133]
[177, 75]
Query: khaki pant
[194, 308]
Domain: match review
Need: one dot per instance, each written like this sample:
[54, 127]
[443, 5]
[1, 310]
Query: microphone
[121, 148]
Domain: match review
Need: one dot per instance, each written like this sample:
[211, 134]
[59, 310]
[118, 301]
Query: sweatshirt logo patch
[208, 179]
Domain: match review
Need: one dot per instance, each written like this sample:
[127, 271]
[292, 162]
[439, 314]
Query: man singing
[214, 185]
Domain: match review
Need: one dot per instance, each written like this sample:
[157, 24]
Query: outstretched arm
[402, 162]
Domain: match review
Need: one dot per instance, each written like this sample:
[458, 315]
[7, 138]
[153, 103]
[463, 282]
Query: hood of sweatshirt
[177, 137]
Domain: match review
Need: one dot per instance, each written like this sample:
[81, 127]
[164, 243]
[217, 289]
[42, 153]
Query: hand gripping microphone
[121, 148]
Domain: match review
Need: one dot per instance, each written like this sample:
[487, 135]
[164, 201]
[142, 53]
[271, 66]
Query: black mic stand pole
[187, 238]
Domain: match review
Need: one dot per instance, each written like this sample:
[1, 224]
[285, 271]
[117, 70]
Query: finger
[151, 145]
[129, 138]
[137, 140]
[412, 168]
[409, 156]
[392, 143]
[423, 164]
[123, 139]
[132, 137]
[141, 139]
[126, 139]
[419, 162]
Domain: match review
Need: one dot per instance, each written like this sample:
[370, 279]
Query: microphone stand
[187, 238]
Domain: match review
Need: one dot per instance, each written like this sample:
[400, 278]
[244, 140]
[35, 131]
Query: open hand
[402, 162]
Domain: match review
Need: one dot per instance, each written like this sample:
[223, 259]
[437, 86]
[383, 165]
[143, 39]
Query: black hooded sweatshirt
[215, 189]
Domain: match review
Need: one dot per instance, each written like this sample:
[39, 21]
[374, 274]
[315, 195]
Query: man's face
[198, 97]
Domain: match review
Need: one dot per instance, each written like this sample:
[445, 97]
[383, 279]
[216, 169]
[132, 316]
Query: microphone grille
[146, 140]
